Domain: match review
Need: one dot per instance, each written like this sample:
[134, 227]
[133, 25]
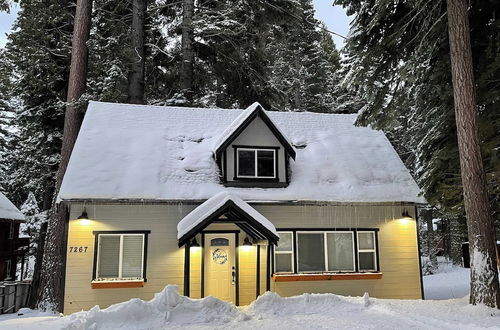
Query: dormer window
[256, 163]
[253, 152]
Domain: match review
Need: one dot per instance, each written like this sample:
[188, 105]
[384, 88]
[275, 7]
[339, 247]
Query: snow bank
[167, 307]
[448, 282]
[170, 310]
[129, 151]
[9, 210]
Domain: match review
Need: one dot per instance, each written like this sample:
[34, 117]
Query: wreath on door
[219, 256]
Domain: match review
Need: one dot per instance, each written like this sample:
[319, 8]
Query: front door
[220, 267]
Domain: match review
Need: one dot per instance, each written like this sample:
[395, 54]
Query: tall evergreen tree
[138, 58]
[51, 295]
[304, 62]
[482, 239]
[37, 52]
[398, 59]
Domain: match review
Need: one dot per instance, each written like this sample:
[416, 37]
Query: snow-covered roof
[239, 122]
[9, 210]
[126, 151]
[215, 203]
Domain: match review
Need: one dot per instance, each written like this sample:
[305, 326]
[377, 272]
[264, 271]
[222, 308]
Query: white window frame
[374, 250]
[120, 260]
[256, 176]
[324, 247]
[291, 253]
[353, 250]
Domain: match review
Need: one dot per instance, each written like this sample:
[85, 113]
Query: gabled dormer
[253, 152]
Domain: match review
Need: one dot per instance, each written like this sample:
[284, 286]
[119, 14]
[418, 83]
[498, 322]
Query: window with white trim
[120, 257]
[255, 163]
[326, 251]
[283, 253]
[367, 253]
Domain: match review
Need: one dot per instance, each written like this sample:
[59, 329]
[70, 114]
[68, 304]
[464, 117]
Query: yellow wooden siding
[165, 262]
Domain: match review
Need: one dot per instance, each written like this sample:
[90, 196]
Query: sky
[334, 17]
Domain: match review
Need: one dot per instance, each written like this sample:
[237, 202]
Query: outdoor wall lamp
[194, 243]
[405, 216]
[84, 218]
[246, 242]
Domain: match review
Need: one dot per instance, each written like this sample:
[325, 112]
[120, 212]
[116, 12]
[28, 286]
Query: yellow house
[234, 203]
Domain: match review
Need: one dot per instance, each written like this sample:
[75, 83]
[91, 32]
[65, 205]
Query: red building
[11, 246]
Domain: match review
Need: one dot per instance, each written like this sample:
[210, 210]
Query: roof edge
[254, 202]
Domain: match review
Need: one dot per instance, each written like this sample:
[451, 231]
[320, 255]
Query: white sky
[334, 17]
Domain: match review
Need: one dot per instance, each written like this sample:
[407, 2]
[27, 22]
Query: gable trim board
[237, 212]
[232, 133]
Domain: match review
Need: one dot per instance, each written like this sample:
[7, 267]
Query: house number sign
[78, 249]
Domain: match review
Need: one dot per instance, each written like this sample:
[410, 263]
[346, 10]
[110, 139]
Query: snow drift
[168, 309]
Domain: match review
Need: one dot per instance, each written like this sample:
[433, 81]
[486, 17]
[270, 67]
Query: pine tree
[138, 58]
[482, 239]
[110, 51]
[6, 117]
[305, 63]
[51, 296]
[398, 60]
[38, 55]
[5, 5]
[34, 221]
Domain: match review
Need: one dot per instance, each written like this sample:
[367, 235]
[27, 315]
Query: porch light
[247, 245]
[246, 242]
[405, 216]
[84, 218]
[195, 244]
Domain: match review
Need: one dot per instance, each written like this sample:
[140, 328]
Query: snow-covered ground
[169, 310]
[448, 282]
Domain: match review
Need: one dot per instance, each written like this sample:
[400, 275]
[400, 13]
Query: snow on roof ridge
[235, 124]
[8, 210]
[211, 205]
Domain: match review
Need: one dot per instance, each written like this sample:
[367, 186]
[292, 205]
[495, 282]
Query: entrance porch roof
[235, 210]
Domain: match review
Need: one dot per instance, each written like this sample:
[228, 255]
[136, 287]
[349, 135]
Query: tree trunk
[187, 50]
[136, 76]
[35, 282]
[431, 238]
[481, 232]
[456, 239]
[51, 296]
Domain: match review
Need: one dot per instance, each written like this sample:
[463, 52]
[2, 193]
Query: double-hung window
[367, 253]
[120, 256]
[255, 163]
[326, 251]
[284, 253]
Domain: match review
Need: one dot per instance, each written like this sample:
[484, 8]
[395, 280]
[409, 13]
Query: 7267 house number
[78, 249]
